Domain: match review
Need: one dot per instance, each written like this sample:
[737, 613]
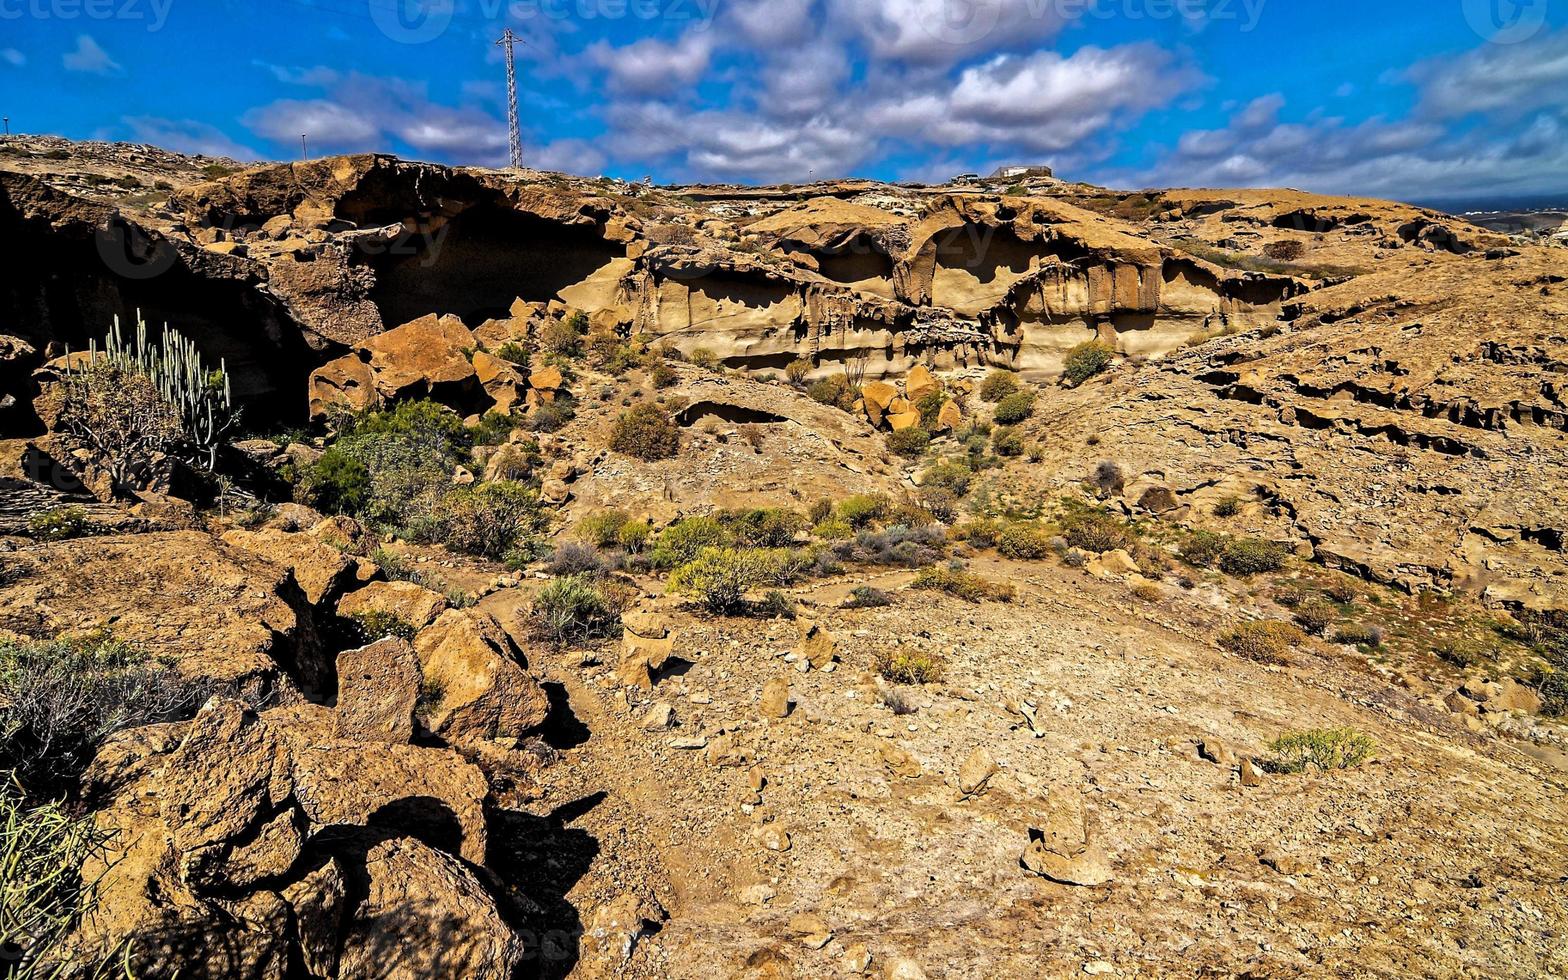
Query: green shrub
[1265, 641]
[59, 524]
[377, 624]
[1249, 556]
[998, 385]
[680, 542]
[574, 610]
[1316, 616]
[719, 577]
[1359, 635]
[948, 475]
[1007, 442]
[982, 532]
[647, 433]
[776, 605]
[911, 443]
[1202, 549]
[866, 597]
[488, 519]
[1229, 507]
[1323, 749]
[663, 376]
[1014, 408]
[1025, 542]
[42, 895]
[862, 510]
[1087, 360]
[963, 585]
[833, 529]
[703, 358]
[1553, 688]
[835, 391]
[561, 338]
[763, 527]
[389, 467]
[602, 530]
[909, 667]
[930, 408]
[633, 536]
[1096, 530]
[62, 698]
[493, 429]
[512, 351]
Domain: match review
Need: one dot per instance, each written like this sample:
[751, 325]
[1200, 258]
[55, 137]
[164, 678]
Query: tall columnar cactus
[175, 367]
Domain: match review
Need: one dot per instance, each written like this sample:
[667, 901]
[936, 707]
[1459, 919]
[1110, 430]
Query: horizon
[1127, 94]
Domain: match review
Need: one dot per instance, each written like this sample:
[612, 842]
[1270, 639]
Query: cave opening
[68, 283]
[476, 265]
[859, 263]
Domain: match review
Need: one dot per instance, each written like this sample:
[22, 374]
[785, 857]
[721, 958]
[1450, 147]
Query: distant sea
[1481, 203]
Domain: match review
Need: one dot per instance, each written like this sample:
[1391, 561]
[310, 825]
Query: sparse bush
[550, 416]
[1087, 360]
[42, 895]
[898, 545]
[911, 443]
[1249, 556]
[602, 529]
[1316, 616]
[1290, 597]
[776, 605]
[1358, 635]
[1342, 590]
[680, 542]
[574, 610]
[62, 698]
[377, 624]
[59, 524]
[982, 532]
[1287, 250]
[930, 408]
[1007, 442]
[833, 529]
[1323, 749]
[1014, 408]
[820, 511]
[1108, 478]
[1228, 507]
[963, 585]
[866, 597]
[1148, 592]
[998, 385]
[560, 338]
[389, 467]
[646, 433]
[797, 370]
[1553, 689]
[703, 358]
[1025, 542]
[940, 502]
[493, 429]
[1096, 530]
[1202, 549]
[909, 667]
[1265, 641]
[578, 558]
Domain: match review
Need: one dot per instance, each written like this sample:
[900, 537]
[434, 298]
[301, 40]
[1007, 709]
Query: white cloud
[13, 57]
[187, 136]
[651, 65]
[328, 122]
[89, 57]
[1502, 79]
[945, 32]
[318, 76]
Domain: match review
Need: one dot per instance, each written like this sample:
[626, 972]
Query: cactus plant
[174, 366]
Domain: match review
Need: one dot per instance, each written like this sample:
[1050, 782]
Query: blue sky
[1418, 99]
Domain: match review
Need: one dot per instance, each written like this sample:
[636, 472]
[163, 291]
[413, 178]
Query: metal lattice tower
[514, 132]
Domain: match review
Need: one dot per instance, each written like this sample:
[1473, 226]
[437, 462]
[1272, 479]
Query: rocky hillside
[470, 573]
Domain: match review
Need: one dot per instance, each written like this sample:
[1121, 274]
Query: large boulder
[426, 915]
[476, 689]
[378, 687]
[345, 384]
[504, 385]
[426, 357]
[411, 603]
[322, 572]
